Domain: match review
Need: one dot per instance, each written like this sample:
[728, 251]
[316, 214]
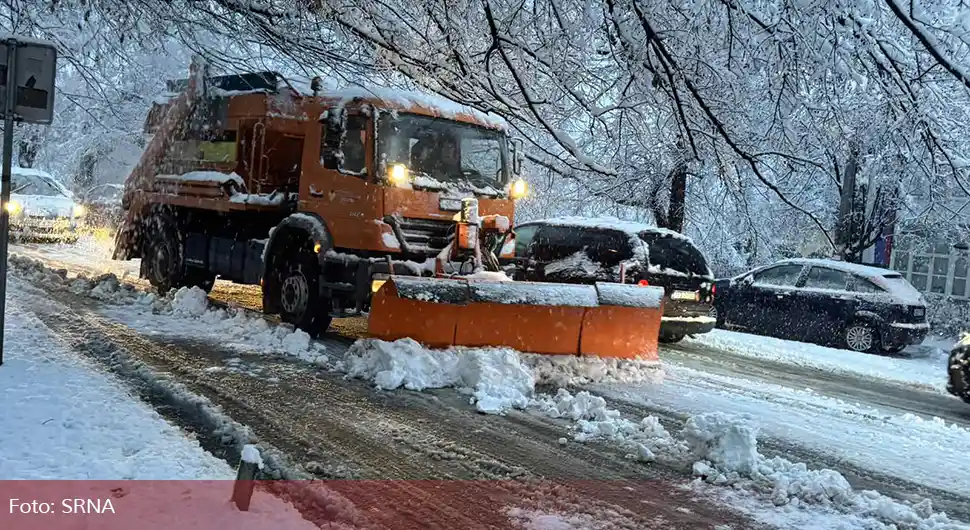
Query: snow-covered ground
[922, 366]
[859, 435]
[90, 251]
[719, 440]
[63, 418]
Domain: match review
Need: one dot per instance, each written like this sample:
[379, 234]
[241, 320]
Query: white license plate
[919, 311]
[684, 295]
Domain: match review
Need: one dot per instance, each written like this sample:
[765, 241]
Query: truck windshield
[442, 153]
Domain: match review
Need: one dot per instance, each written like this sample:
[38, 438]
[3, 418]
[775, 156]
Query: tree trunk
[27, 151]
[678, 197]
[844, 229]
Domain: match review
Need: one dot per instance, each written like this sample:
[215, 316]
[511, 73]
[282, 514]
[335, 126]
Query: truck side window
[346, 152]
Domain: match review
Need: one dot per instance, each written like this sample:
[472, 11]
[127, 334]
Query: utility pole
[27, 71]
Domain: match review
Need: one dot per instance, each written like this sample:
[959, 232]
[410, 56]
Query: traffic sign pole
[31, 66]
[8, 121]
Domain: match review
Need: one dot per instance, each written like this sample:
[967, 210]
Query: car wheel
[861, 337]
[716, 315]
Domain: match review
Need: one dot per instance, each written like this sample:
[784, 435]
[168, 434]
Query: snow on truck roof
[441, 106]
[437, 105]
[610, 223]
[854, 268]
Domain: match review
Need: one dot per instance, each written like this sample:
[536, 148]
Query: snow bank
[926, 372]
[721, 450]
[495, 378]
[190, 307]
[566, 370]
[65, 419]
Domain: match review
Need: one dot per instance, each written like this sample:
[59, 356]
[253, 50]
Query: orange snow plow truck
[392, 204]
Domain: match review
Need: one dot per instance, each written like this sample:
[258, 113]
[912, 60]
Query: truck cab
[314, 196]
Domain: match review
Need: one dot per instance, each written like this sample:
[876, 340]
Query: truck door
[337, 182]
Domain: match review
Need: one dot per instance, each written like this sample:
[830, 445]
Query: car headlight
[79, 210]
[13, 207]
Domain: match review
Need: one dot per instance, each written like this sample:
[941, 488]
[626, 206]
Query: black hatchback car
[862, 308]
[588, 250]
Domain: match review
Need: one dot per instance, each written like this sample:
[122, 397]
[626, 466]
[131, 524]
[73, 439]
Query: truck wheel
[162, 263]
[164, 268]
[861, 337]
[300, 302]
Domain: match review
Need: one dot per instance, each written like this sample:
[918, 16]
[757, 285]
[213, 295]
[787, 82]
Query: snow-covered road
[882, 422]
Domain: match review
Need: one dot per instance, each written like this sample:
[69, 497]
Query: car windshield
[674, 254]
[34, 185]
[445, 150]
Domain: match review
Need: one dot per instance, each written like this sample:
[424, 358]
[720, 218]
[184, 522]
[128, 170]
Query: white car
[41, 208]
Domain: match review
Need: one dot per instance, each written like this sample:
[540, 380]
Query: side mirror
[518, 153]
[747, 280]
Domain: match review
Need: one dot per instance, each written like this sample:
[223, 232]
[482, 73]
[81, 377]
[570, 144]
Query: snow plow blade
[603, 320]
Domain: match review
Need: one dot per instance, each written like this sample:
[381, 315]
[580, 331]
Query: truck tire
[163, 264]
[299, 300]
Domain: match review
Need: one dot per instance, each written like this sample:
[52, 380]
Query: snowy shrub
[948, 316]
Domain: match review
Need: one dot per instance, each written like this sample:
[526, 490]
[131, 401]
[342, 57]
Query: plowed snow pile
[723, 451]
[495, 378]
[190, 306]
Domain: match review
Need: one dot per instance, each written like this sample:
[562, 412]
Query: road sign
[34, 64]
[27, 71]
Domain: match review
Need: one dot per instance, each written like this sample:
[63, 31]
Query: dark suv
[584, 250]
[827, 302]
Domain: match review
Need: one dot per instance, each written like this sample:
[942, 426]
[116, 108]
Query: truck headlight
[398, 174]
[519, 189]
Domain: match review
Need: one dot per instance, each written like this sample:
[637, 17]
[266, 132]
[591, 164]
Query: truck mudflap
[125, 242]
[603, 320]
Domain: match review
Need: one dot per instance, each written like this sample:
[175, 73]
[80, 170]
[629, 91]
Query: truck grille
[423, 236]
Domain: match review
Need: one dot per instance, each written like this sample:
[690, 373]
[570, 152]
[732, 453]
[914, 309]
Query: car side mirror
[747, 281]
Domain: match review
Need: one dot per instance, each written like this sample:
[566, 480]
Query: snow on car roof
[611, 223]
[855, 268]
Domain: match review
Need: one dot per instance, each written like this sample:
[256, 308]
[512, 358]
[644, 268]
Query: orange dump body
[603, 320]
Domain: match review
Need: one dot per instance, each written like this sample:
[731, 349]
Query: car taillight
[713, 290]
[643, 283]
